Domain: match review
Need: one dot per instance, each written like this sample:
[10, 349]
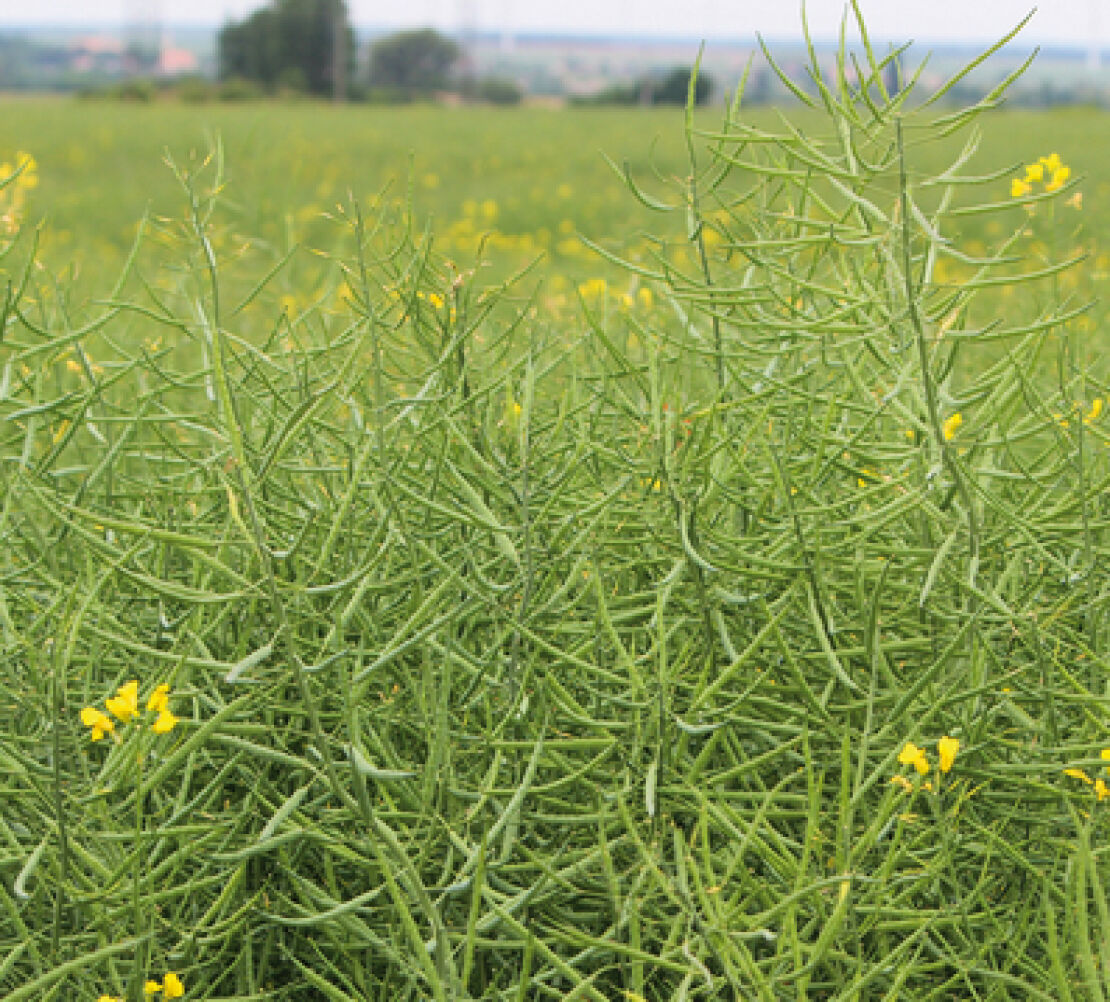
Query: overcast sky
[894, 20]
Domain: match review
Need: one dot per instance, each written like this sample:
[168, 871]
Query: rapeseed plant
[1050, 171]
[15, 181]
[124, 705]
[947, 750]
[912, 755]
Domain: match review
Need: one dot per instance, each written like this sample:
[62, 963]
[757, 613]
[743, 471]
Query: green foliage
[499, 90]
[674, 87]
[412, 63]
[522, 655]
[287, 43]
[670, 89]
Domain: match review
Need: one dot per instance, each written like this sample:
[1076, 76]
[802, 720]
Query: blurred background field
[535, 183]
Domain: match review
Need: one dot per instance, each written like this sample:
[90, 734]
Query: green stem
[59, 809]
[139, 970]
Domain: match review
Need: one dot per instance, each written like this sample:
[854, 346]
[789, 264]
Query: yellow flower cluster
[170, 987]
[13, 193]
[124, 706]
[1089, 418]
[1050, 171]
[947, 750]
[1100, 787]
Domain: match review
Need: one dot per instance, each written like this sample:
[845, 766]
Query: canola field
[437, 562]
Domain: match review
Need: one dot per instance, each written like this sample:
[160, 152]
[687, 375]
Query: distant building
[175, 62]
[101, 54]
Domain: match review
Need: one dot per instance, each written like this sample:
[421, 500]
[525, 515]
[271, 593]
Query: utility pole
[143, 36]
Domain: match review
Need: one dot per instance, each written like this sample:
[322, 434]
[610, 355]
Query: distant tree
[675, 86]
[670, 89]
[412, 62]
[499, 90]
[290, 40]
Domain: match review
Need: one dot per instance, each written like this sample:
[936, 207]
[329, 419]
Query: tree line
[309, 46]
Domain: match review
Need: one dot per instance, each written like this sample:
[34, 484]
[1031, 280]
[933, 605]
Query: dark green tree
[675, 86]
[412, 62]
[304, 40]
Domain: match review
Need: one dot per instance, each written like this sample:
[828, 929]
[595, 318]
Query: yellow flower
[593, 288]
[1105, 756]
[30, 176]
[151, 987]
[644, 295]
[947, 748]
[125, 703]
[1095, 411]
[902, 782]
[160, 698]
[1059, 179]
[1019, 188]
[98, 720]
[952, 425]
[165, 723]
[1051, 163]
[436, 300]
[1078, 774]
[172, 987]
[912, 755]
[1102, 789]
[1034, 172]
[109, 998]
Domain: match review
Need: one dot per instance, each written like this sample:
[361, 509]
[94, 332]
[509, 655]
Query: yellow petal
[152, 987]
[1078, 774]
[1034, 172]
[172, 987]
[909, 753]
[1102, 789]
[165, 723]
[947, 748]
[159, 699]
[952, 425]
[125, 703]
[1019, 189]
[1052, 163]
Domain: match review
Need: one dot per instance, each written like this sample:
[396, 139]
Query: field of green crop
[436, 566]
